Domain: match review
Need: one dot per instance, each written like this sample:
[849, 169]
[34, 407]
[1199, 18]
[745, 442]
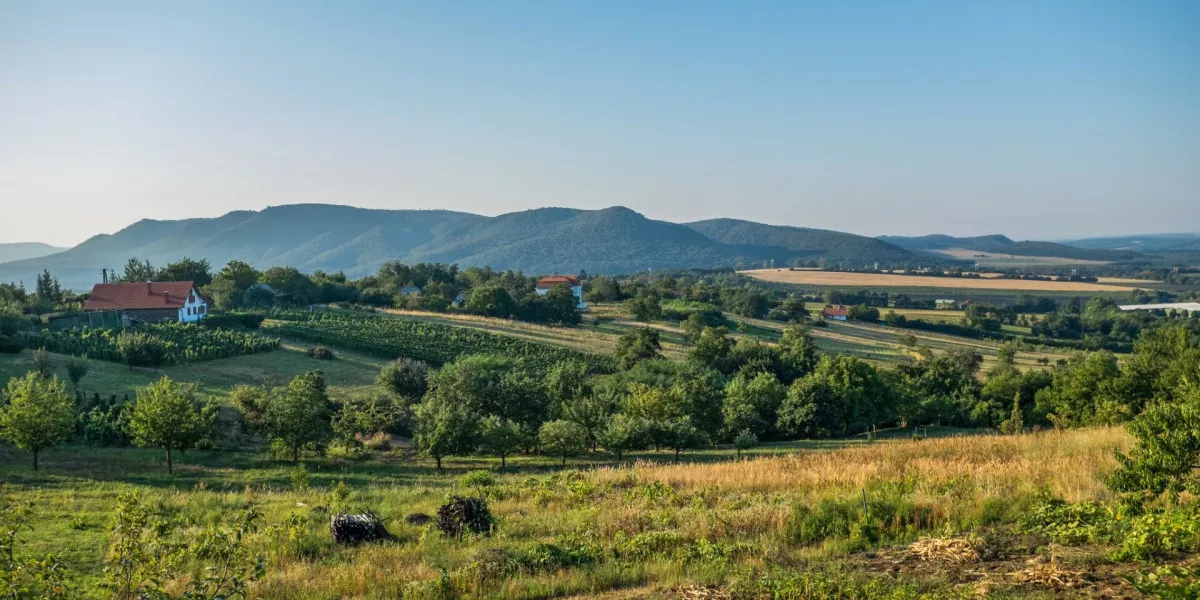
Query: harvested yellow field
[1129, 280]
[841, 279]
[1001, 259]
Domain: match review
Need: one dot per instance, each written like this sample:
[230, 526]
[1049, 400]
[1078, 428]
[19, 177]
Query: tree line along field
[605, 323]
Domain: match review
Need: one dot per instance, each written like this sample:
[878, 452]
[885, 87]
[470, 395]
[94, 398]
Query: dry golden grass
[835, 278]
[1067, 464]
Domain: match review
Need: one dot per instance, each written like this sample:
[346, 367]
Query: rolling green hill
[358, 241]
[1159, 242]
[23, 250]
[1004, 245]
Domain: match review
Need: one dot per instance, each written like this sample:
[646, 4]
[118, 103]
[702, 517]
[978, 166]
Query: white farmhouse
[545, 284]
[150, 302]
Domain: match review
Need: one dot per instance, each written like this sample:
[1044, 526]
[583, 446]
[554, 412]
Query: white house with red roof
[836, 313]
[150, 302]
[545, 284]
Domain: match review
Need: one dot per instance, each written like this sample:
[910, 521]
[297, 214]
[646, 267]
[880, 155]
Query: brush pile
[953, 550]
[461, 516]
[352, 530]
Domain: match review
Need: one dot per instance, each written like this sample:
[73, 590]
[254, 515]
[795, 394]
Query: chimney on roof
[149, 290]
[104, 275]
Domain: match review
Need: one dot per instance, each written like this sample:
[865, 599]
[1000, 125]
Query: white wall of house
[575, 289]
[194, 309]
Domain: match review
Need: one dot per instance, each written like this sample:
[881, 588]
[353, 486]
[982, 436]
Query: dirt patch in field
[987, 566]
[836, 278]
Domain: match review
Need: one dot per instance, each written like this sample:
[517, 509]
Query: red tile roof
[837, 311]
[549, 282]
[138, 296]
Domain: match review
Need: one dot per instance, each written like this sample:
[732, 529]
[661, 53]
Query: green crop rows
[183, 343]
[434, 343]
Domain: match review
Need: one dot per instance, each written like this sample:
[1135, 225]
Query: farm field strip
[596, 337]
[1001, 259]
[434, 342]
[882, 343]
[866, 280]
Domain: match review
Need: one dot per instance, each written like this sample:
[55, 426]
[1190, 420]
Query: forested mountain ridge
[544, 240]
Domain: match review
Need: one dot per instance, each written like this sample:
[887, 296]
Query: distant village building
[545, 284]
[945, 304]
[836, 313]
[157, 302]
[1188, 307]
[410, 290]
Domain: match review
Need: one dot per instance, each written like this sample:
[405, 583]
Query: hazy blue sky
[1033, 118]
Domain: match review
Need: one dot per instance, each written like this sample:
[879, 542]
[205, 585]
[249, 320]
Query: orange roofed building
[545, 284]
[150, 302]
[837, 313]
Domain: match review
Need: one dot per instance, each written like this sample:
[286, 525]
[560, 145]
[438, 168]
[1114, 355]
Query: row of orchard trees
[727, 390]
[742, 391]
[37, 413]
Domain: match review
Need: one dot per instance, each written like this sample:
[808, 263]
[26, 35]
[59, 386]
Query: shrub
[1171, 582]
[232, 320]
[477, 478]
[10, 345]
[561, 554]
[461, 516]
[320, 352]
[138, 349]
[1159, 534]
[1069, 523]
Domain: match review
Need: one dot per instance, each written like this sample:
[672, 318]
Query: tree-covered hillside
[357, 241]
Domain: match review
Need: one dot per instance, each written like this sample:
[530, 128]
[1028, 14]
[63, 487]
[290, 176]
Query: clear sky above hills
[1038, 119]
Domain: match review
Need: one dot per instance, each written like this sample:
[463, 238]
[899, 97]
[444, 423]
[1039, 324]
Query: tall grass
[646, 527]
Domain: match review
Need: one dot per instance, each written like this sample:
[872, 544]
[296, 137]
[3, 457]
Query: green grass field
[646, 529]
[215, 377]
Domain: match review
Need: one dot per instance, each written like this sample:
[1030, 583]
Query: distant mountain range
[1000, 244]
[1157, 242]
[23, 250]
[545, 240]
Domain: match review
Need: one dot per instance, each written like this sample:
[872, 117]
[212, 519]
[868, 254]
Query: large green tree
[38, 414]
[299, 417]
[445, 428]
[187, 269]
[167, 415]
[637, 345]
[1167, 452]
[228, 287]
[752, 402]
[563, 439]
[290, 285]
